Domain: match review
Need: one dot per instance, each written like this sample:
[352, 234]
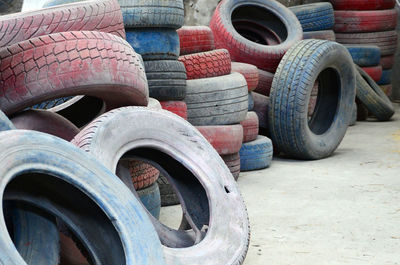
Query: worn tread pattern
[250, 73]
[256, 154]
[143, 175]
[233, 163]
[314, 17]
[194, 39]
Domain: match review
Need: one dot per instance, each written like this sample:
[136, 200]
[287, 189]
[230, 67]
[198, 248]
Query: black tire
[261, 108]
[256, 154]
[167, 79]
[150, 198]
[168, 195]
[320, 35]
[353, 120]
[362, 111]
[5, 123]
[364, 55]
[291, 130]
[232, 161]
[314, 17]
[155, 13]
[251, 101]
[218, 100]
[165, 48]
[372, 97]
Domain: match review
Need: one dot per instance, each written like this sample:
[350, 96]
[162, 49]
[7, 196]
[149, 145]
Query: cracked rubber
[250, 127]
[256, 154]
[314, 17]
[194, 39]
[250, 73]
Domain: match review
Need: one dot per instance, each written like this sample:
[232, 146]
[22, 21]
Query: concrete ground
[344, 209]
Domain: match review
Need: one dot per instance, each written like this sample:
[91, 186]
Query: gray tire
[168, 195]
[5, 123]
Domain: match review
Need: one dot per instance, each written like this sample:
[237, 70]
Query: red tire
[365, 21]
[104, 16]
[194, 39]
[250, 127]
[68, 64]
[387, 62]
[233, 163]
[177, 107]
[362, 4]
[264, 82]
[143, 175]
[226, 139]
[387, 89]
[250, 73]
[375, 72]
[207, 64]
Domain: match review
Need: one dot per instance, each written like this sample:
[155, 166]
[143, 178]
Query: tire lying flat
[256, 154]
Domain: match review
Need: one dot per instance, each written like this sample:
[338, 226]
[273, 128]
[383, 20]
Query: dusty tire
[362, 4]
[5, 123]
[386, 78]
[250, 101]
[233, 163]
[207, 64]
[151, 199]
[250, 127]
[256, 154]
[265, 57]
[194, 39]
[291, 129]
[250, 73]
[387, 62]
[177, 107]
[77, 63]
[218, 100]
[353, 120]
[264, 82]
[375, 72]
[226, 139]
[314, 17]
[261, 108]
[208, 192]
[143, 175]
[364, 55]
[320, 35]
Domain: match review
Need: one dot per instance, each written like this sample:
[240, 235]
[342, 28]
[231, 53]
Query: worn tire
[250, 127]
[261, 108]
[362, 111]
[375, 72]
[251, 101]
[168, 195]
[218, 100]
[266, 57]
[177, 107]
[204, 184]
[387, 62]
[256, 154]
[291, 129]
[143, 175]
[320, 35]
[167, 79]
[250, 73]
[353, 120]
[233, 163]
[226, 139]
[314, 17]
[194, 39]
[364, 55]
[207, 64]
[152, 14]
[151, 199]
[362, 4]
[5, 123]
[386, 77]
[264, 82]
[69, 64]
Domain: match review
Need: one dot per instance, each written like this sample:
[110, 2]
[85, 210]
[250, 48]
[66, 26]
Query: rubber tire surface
[143, 42]
[314, 17]
[168, 195]
[365, 21]
[362, 111]
[152, 14]
[166, 79]
[261, 108]
[226, 139]
[104, 16]
[177, 107]
[289, 125]
[375, 72]
[256, 154]
[250, 72]
[207, 64]
[320, 35]
[124, 222]
[387, 62]
[372, 97]
[251, 101]
[386, 77]
[5, 123]
[68, 64]
[387, 89]
[264, 82]
[154, 104]
[353, 120]
[250, 127]
[143, 175]
[151, 199]
[362, 4]
[197, 155]
[194, 39]
[364, 55]
[243, 50]
[233, 163]
[218, 100]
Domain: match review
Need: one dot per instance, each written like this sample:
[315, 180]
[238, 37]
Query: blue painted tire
[364, 55]
[154, 44]
[155, 13]
[256, 154]
[53, 175]
[151, 199]
[50, 3]
[251, 101]
[315, 17]
[386, 78]
[5, 123]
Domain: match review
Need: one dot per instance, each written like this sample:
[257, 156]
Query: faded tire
[5, 123]
[167, 192]
[143, 175]
[194, 39]
[233, 163]
[362, 4]
[375, 72]
[364, 55]
[250, 72]
[177, 107]
[250, 127]
[150, 198]
[261, 108]
[264, 82]
[320, 35]
[316, 16]
[291, 130]
[256, 154]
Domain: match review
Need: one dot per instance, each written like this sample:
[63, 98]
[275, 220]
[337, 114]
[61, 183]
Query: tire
[208, 192]
[218, 100]
[353, 120]
[5, 123]
[167, 79]
[93, 15]
[251, 101]
[261, 108]
[314, 17]
[152, 14]
[51, 3]
[250, 73]
[154, 104]
[320, 35]
[264, 82]
[143, 175]
[372, 97]
[68, 74]
[46, 122]
[168, 195]
[207, 64]
[291, 130]
[385, 40]
[362, 4]
[165, 48]
[387, 89]
[362, 111]
[226, 139]
[365, 21]
[375, 72]
[151, 199]
[233, 163]
[67, 176]
[177, 107]
[250, 127]
[386, 77]
[387, 62]
[364, 55]
[256, 154]
[194, 39]
[265, 57]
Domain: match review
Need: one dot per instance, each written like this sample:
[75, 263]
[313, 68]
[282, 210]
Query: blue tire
[50, 3]
[5, 123]
[386, 78]
[256, 154]
[365, 55]
[151, 199]
[154, 44]
[251, 101]
[315, 17]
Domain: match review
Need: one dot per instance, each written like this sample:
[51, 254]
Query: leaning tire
[194, 39]
[150, 198]
[364, 55]
[256, 154]
[316, 16]
[289, 125]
